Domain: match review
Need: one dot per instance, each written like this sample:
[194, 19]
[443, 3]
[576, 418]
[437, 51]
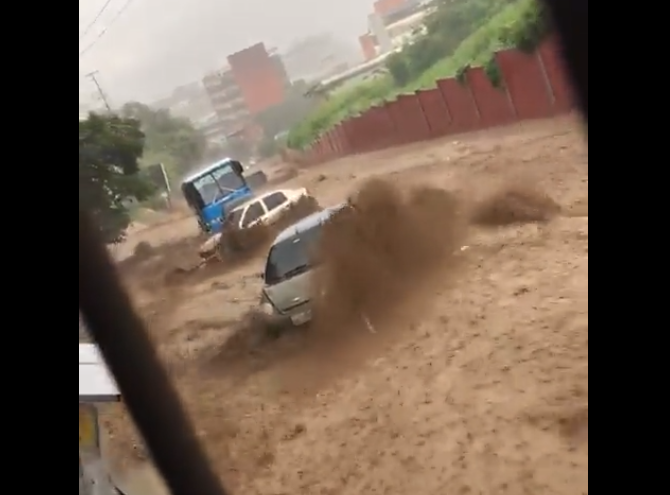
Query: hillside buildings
[391, 24]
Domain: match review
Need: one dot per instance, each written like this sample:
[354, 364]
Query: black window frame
[244, 223]
[277, 193]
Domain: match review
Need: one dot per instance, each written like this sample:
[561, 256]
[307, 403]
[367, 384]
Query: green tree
[455, 34]
[445, 27]
[531, 27]
[397, 67]
[170, 140]
[109, 150]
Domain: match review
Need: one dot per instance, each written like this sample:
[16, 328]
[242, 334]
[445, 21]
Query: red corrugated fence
[532, 86]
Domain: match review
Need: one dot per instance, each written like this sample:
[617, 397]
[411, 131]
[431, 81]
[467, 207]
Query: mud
[254, 345]
[515, 204]
[237, 245]
[472, 376]
[379, 262]
[181, 263]
[380, 254]
[154, 265]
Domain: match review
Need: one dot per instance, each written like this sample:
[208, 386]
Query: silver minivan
[288, 271]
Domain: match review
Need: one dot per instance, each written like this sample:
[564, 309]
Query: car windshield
[217, 184]
[292, 256]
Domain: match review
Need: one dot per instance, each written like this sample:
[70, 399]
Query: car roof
[204, 170]
[239, 203]
[260, 196]
[308, 222]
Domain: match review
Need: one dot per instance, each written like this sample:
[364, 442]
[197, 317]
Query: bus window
[254, 212]
[217, 184]
[227, 179]
[207, 188]
[192, 197]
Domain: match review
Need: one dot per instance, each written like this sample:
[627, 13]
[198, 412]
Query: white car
[265, 209]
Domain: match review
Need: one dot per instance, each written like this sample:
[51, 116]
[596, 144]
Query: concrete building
[318, 57]
[260, 77]
[280, 69]
[368, 43]
[391, 25]
[226, 98]
[254, 80]
[386, 7]
[378, 30]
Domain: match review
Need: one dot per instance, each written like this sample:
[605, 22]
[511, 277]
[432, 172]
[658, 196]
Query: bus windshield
[217, 184]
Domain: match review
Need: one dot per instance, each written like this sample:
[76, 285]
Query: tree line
[116, 149]
[450, 22]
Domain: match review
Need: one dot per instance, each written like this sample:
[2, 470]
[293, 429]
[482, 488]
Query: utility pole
[93, 77]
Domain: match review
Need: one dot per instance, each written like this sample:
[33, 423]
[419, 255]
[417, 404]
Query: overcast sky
[156, 45]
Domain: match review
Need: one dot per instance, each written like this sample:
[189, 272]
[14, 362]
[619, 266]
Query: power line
[93, 76]
[95, 20]
[104, 31]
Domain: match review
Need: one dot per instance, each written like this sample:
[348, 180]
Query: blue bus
[212, 190]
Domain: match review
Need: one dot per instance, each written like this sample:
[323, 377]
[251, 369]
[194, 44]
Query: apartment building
[254, 80]
[260, 77]
[227, 99]
[391, 25]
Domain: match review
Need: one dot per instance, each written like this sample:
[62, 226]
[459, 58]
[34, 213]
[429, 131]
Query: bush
[457, 34]
[446, 27]
[399, 69]
[523, 25]
[340, 105]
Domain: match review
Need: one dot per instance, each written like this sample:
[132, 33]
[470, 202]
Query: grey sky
[158, 44]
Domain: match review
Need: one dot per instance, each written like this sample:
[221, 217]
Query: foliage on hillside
[451, 22]
[458, 34]
[110, 148]
[170, 140]
[513, 26]
[295, 107]
[276, 121]
[339, 106]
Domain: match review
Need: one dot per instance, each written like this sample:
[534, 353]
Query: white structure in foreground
[96, 385]
[95, 381]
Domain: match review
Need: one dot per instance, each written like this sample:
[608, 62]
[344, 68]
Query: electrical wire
[95, 20]
[106, 28]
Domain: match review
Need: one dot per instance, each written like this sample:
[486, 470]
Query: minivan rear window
[292, 256]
